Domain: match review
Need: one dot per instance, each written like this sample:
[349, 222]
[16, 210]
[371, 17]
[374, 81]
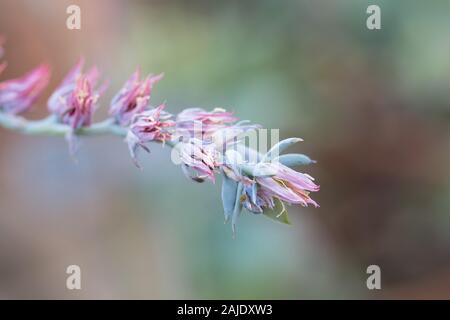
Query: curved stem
[48, 126]
[104, 127]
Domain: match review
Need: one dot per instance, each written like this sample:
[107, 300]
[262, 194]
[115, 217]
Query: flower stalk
[50, 127]
[206, 142]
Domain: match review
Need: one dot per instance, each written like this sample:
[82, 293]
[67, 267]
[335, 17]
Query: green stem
[50, 127]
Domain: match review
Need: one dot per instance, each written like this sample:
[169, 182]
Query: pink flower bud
[150, 125]
[133, 98]
[74, 101]
[18, 95]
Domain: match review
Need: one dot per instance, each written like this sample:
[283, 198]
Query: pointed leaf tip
[237, 206]
[277, 149]
[294, 159]
[278, 212]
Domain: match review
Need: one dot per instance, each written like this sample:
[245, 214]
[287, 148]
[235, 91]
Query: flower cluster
[206, 142]
[74, 101]
[265, 185]
[133, 98]
[18, 95]
[199, 159]
[149, 125]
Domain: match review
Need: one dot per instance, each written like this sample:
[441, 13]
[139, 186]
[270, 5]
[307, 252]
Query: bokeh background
[372, 106]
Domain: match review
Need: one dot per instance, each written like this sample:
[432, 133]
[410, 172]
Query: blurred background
[372, 106]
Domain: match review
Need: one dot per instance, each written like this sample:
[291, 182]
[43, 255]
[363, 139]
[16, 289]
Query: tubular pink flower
[74, 101]
[133, 98]
[150, 125]
[196, 122]
[286, 185]
[289, 185]
[17, 95]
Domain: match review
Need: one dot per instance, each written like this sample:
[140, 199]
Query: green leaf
[294, 159]
[276, 150]
[278, 213]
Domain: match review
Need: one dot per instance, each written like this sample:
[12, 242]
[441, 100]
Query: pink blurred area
[88, 221]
